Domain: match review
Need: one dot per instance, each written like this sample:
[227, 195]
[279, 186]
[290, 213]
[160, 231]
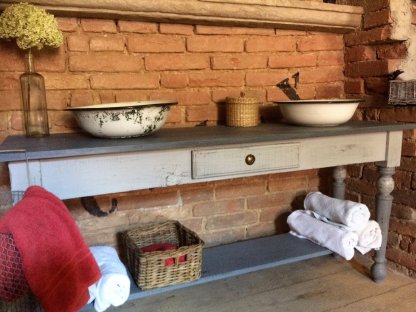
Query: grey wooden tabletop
[18, 148]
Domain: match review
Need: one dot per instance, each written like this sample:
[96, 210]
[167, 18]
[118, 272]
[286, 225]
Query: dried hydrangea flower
[30, 26]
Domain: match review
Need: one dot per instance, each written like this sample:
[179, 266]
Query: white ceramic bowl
[318, 113]
[122, 120]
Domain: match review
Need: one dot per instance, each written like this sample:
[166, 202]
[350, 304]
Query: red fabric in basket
[58, 265]
[164, 247]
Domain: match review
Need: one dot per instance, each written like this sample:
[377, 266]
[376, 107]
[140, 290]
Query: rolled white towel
[369, 238]
[336, 239]
[352, 214]
[113, 288]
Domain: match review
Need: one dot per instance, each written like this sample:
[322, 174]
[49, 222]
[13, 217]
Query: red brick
[175, 115]
[184, 97]
[331, 90]
[399, 114]
[230, 221]
[372, 36]
[125, 81]
[360, 53]
[376, 5]
[150, 200]
[392, 51]
[220, 95]
[82, 98]
[215, 44]
[218, 30]
[195, 195]
[107, 43]
[216, 79]
[400, 257]
[371, 68]
[223, 237]
[290, 60]
[268, 78]
[11, 57]
[354, 86]
[178, 29]
[289, 32]
[281, 199]
[377, 84]
[261, 229]
[275, 214]
[107, 96]
[79, 43]
[176, 62]
[277, 184]
[321, 42]
[68, 24]
[130, 95]
[271, 44]
[137, 27]
[168, 80]
[322, 74]
[98, 25]
[65, 81]
[155, 43]
[202, 113]
[10, 100]
[16, 122]
[252, 187]
[377, 18]
[57, 99]
[218, 207]
[104, 62]
[328, 58]
[51, 60]
[239, 61]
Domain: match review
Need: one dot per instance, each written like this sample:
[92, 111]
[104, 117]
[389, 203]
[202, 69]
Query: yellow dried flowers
[30, 26]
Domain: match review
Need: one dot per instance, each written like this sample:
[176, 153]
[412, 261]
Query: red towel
[57, 262]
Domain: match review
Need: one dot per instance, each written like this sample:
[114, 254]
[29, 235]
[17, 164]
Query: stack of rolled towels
[339, 225]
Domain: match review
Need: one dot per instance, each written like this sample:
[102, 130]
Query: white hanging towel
[369, 238]
[336, 239]
[353, 215]
[113, 288]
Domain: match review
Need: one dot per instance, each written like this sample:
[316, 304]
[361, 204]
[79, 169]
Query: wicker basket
[242, 111]
[150, 269]
[402, 92]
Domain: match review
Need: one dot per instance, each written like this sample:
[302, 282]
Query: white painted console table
[77, 165]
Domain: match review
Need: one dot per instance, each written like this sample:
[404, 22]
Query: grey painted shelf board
[225, 261]
[81, 144]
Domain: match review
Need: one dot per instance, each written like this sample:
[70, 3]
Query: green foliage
[30, 26]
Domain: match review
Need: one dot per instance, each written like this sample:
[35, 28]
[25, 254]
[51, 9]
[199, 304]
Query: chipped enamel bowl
[123, 120]
[318, 113]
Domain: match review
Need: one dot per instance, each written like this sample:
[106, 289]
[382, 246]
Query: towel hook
[90, 204]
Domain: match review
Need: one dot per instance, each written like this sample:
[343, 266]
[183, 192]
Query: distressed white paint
[230, 161]
[74, 177]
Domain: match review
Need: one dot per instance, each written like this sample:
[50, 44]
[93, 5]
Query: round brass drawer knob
[250, 159]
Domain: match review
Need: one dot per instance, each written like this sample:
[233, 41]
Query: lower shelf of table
[238, 258]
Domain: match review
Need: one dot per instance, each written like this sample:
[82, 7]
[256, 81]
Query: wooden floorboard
[316, 285]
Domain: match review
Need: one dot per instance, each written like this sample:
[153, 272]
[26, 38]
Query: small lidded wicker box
[402, 92]
[242, 111]
[159, 267]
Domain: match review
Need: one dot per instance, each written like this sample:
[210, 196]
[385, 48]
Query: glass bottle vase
[35, 110]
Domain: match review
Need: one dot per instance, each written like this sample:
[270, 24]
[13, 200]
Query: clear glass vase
[35, 110]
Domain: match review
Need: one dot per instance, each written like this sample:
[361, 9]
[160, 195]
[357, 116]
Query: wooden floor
[320, 284]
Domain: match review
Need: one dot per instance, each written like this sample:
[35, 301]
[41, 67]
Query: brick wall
[371, 54]
[107, 60]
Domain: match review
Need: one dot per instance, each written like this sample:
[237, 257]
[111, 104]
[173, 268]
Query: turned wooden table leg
[385, 186]
[339, 175]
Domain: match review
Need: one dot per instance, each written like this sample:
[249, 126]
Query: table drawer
[208, 163]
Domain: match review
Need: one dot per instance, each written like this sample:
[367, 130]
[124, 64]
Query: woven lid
[243, 99]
